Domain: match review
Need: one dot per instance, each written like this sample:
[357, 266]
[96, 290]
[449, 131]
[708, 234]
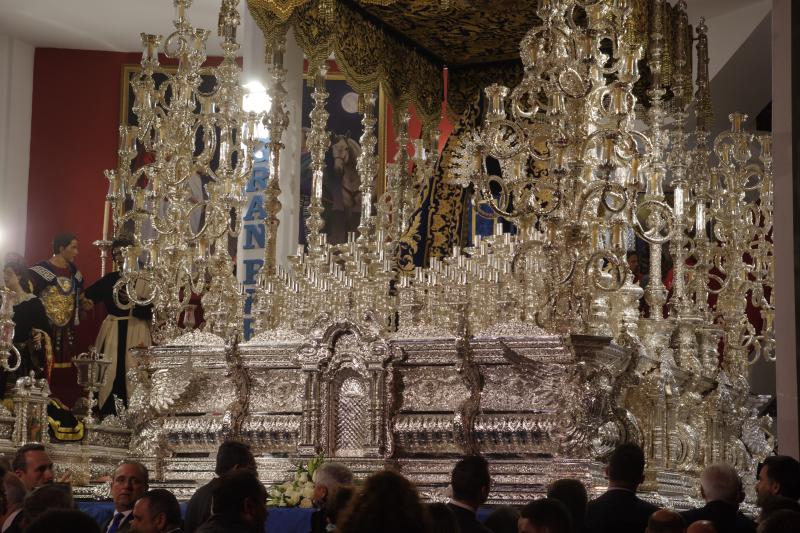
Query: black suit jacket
[124, 526]
[467, 522]
[725, 517]
[198, 510]
[618, 511]
[16, 524]
[319, 522]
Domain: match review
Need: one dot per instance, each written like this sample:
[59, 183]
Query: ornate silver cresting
[541, 348]
[189, 134]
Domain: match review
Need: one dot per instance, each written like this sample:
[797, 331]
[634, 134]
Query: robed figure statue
[126, 326]
[30, 325]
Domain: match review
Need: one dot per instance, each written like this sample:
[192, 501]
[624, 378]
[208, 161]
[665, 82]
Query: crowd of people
[32, 500]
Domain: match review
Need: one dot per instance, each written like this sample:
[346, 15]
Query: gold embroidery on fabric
[60, 307]
[408, 245]
[366, 55]
[65, 284]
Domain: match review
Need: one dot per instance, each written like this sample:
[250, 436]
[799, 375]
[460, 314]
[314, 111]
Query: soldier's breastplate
[59, 302]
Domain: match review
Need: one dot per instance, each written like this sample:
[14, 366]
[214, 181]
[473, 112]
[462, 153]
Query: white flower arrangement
[298, 492]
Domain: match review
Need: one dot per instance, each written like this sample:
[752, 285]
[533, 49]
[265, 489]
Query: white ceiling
[112, 25]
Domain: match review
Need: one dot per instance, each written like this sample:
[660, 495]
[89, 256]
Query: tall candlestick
[106, 212]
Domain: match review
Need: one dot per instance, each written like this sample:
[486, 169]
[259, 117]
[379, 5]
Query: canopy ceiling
[468, 33]
[403, 45]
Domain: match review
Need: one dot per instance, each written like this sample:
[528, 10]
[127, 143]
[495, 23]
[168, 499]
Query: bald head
[665, 521]
[701, 526]
[720, 482]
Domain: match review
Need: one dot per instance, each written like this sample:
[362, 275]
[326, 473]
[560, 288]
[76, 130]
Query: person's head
[772, 504]
[503, 519]
[130, 481]
[156, 511]
[783, 521]
[15, 492]
[233, 454]
[720, 482]
[47, 497]
[545, 515]
[66, 245]
[337, 502]
[665, 521]
[470, 480]
[327, 478]
[15, 273]
[240, 495]
[572, 494]
[702, 526]
[626, 466]
[33, 466]
[633, 262]
[389, 503]
[63, 521]
[118, 246]
[778, 475]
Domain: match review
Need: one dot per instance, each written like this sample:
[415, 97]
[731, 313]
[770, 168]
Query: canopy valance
[403, 45]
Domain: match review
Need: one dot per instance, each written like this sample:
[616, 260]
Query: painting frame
[336, 77]
[126, 91]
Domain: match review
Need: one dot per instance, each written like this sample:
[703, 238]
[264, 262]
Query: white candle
[106, 212]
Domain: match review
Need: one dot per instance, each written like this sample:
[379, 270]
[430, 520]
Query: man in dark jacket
[130, 481]
[328, 478]
[779, 475]
[470, 482]
[231, 455]
[619, 510]
[239, 504]
[721, 488]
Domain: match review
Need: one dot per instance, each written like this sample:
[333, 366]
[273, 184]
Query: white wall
[16, 95]
[729, 25]
[255, 69]
[783, 232]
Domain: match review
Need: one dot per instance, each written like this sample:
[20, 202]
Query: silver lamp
[92, 367]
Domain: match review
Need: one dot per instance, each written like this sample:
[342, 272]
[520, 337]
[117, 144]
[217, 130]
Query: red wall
[76, 107]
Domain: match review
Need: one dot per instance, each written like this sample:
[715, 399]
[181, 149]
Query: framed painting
[341, 200]
[129, 73]
[196, 182]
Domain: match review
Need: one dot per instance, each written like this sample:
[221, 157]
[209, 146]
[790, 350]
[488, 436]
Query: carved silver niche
[346, 407]
[350, 410]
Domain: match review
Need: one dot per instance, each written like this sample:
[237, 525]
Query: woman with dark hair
[389, 503]
[126, 326]
[30, 323]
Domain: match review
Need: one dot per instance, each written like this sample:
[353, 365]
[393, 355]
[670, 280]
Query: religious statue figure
[59, 284]
[30, 324]
[343, 208]
[126, 326]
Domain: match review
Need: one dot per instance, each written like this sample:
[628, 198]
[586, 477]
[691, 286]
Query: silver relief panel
[276, 391]
[437, 388]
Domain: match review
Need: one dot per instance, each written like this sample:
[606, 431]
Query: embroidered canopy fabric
[403, 45]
